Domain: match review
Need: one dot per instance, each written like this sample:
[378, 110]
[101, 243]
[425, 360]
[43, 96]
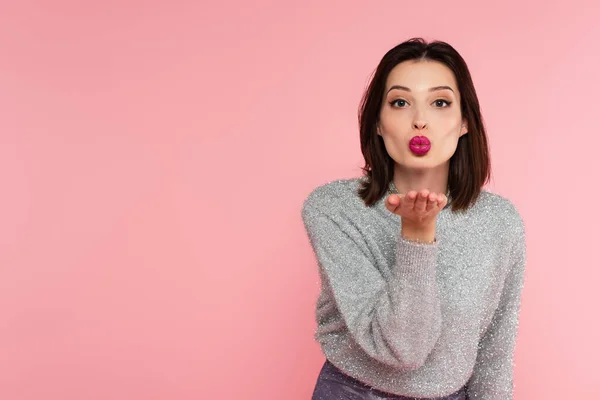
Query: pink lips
[419, 145]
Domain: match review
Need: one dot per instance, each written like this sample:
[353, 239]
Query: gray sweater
[416, 319]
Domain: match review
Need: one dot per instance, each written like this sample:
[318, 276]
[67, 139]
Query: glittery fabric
[414, 319]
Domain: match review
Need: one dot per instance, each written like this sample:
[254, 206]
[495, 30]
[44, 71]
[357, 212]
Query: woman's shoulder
[500, 210]
[333, 195]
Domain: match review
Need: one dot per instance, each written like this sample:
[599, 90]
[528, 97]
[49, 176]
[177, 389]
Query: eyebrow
[433, 89]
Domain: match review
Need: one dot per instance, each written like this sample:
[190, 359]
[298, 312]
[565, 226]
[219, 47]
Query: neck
[433, 179]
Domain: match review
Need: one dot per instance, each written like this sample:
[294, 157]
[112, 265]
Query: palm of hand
[418, 208]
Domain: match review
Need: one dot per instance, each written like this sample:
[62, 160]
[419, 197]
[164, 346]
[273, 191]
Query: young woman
[421, 269]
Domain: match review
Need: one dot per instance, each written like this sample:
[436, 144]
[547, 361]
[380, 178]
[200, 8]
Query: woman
[421, 269]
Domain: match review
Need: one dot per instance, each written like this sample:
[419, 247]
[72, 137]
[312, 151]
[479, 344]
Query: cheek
[393, 123]
[450, 125]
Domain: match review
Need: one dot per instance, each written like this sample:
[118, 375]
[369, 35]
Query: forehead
[420, 75]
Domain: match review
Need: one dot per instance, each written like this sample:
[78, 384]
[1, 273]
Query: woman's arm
[396, 322]
[492, 377]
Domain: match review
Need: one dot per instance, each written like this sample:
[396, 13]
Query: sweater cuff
[416, 260]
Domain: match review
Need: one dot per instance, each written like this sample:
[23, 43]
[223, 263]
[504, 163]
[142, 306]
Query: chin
[421, 162]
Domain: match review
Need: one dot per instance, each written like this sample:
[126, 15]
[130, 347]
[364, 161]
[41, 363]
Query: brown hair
[469, 166]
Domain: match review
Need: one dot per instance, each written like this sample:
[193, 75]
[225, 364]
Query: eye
[441, 103]
[398, 103]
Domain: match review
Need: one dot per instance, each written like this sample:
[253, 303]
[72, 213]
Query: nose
[420, 124]
[419, 120]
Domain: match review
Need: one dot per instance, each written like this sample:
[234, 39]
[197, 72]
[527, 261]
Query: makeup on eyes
[447, 102]
[431, 90]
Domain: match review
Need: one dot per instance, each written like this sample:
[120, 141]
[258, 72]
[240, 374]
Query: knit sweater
[418, 319]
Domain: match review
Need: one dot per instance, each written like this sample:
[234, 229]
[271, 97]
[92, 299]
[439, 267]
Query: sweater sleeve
[492, 377]
[396, 321]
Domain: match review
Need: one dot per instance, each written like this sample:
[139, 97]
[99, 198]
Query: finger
[392, 202]
[432, 202]
[409, 199]
[388, 203]
[442, 201]
[394, 199]
[401, 201]
[421, 201]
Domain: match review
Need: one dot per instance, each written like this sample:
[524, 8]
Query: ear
[378, 128]
[464, 128]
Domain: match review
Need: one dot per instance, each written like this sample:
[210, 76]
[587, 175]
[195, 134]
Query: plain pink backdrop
[154, 157]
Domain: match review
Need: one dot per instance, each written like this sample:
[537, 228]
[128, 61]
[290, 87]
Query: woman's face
[421, 98]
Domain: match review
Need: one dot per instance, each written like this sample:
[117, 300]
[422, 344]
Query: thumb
[394, 199]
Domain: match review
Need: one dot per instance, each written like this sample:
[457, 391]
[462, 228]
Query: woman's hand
[419, 211]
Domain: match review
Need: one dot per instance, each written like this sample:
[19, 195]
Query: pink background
[154, 157]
